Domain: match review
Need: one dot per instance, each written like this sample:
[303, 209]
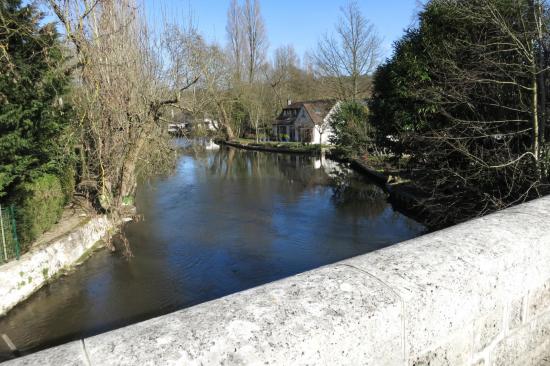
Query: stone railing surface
[473, 294]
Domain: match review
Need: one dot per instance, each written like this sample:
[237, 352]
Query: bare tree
[256, 38]
[346, 58]
[215, 86]
[121, 95]
[260, 101]
[285, 66]
[235, 35]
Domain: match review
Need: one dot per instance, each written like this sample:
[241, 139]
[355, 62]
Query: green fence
[9, 244]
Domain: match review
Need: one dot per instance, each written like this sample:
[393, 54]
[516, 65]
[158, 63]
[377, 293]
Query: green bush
[353, 134]
[67, 178]
[39, 206]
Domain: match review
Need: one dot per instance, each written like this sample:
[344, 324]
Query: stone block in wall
[516, 314]
[481, 362]
[539, 300]
[69, 354]
[487, 328]
[528, 342]
[537, 357]
[458, 351]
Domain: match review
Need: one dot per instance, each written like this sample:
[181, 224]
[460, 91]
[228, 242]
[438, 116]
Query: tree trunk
[127, 179]
[538, 95]
[541, 80]
[229, 134]
[256, 126]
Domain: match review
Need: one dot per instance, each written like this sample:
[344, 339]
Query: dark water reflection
[226, 220]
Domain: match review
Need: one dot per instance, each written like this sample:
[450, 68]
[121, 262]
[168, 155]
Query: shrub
[352, 133]
[39, 206]
[67, 178]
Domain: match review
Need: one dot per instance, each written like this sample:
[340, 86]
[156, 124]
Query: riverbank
[402, 192]
[276, 147]
[69, 243]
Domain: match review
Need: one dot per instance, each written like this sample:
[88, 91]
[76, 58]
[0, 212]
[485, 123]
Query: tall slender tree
[235, 36]
[256, 38]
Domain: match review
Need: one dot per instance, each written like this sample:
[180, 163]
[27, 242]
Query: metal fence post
[14, 228]
[3, 235]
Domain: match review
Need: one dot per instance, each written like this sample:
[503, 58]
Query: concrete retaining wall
[20, 279]
[474, 294]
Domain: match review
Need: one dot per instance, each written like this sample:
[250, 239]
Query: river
[225, 220]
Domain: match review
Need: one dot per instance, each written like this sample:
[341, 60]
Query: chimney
[289, 101]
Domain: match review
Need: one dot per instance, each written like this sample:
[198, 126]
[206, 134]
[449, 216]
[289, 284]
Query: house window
[282, 133]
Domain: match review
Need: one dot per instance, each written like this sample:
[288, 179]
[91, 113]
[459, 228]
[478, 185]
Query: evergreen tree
[33, 115]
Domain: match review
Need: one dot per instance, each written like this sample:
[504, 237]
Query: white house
[305, 122]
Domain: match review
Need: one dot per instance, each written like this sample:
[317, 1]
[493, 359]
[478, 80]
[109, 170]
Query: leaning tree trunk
[128, 177]
[229, 134]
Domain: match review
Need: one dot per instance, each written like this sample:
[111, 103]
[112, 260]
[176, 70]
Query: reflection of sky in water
[226, 220]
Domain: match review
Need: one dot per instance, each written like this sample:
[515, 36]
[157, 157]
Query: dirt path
[73, 216]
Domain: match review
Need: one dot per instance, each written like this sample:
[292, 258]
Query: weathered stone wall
[474, 294]
[20, 279]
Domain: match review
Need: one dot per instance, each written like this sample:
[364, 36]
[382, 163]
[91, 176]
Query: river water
[224, 221]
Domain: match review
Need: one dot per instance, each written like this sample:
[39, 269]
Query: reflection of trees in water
[300, 169]
[295, 169]
[357, 197]
[299, 174]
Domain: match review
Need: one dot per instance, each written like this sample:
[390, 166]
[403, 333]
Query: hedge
[39, 206]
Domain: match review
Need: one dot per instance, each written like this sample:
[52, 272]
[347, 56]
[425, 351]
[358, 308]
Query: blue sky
[296, 22]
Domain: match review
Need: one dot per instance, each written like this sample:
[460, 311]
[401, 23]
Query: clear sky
[296, 22]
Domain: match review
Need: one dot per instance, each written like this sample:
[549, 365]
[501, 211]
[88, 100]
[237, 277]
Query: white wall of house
[323, 138]
[325, 128]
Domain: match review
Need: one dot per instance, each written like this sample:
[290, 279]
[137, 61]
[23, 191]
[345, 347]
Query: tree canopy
[465, 96]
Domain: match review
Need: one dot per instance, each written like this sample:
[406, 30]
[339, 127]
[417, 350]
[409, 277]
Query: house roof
[316, 109]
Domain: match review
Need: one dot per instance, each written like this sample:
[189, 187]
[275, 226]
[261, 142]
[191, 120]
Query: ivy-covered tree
[33, 114]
